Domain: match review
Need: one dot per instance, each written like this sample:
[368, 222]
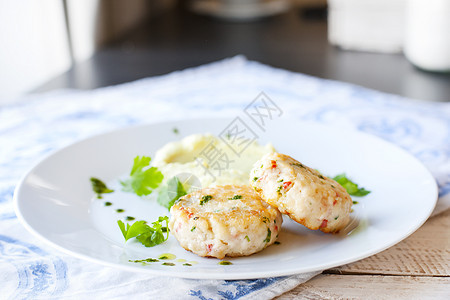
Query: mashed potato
[209, 159]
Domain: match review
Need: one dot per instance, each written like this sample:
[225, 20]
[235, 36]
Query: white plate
[55, 200]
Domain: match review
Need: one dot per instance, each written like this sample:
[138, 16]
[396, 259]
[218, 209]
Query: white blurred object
[33, 45]
[427, 38]
[239, 9]
[368, 25]
[93, 23]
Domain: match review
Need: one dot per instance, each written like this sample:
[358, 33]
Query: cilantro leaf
[123, 229]
[171, 192]
[148, 236]
[351, 187]
[99, 187]
[134, 230]
[154, 236]
[143, 179]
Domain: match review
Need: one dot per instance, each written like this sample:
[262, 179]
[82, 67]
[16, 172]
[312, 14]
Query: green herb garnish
[235, 197]
[99, 187]
[148, 236]
[175, 130]
[168, 264]
[108, 203]
[350, 186]
[205, 199]
[225, 263]
[193, 228]
[255, 178]
[120, 210]
[131, 231]
[277, 243]
[171, 192]
[129, 218]
[143, 179]
[269, 235]
[247, 238]
[187, 265]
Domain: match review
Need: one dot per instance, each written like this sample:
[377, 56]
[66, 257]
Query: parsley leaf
[143, 179]
[351, 187]
[99, 187]
[134, 230]
[171, 192]
[148, 236]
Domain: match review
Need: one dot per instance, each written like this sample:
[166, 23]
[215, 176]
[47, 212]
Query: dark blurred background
[88, 44]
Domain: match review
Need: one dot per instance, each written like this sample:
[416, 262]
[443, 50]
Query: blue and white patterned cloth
[34, 126]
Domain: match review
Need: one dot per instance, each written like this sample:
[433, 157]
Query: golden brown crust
[305, 195]
[224, 221]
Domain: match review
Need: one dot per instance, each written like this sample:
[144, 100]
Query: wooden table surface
[416, 268]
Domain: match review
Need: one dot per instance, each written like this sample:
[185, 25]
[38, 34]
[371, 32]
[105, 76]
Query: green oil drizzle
[167, 256]
[146, 260]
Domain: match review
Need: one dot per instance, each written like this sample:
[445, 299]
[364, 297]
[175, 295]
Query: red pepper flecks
[274, 164]
[324, 223]
[334, 202]
[286, 184]
[209, 247]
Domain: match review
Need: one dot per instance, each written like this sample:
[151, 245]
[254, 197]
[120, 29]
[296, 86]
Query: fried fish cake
[302, 193]
[224, 221]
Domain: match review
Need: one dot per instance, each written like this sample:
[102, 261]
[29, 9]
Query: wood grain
[416, 268]
[331, 286]
[426, 252]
